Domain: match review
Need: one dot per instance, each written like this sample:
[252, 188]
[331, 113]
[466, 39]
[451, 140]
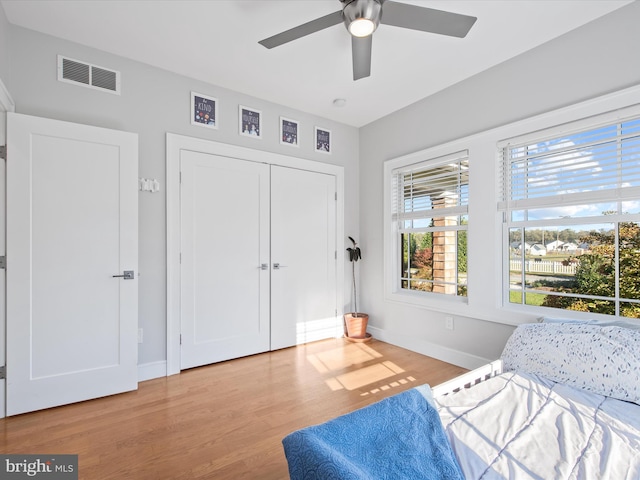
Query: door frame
[6, 105]
[174, 144]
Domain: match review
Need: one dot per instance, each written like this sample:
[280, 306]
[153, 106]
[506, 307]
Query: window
[429, 219]
[570, 198]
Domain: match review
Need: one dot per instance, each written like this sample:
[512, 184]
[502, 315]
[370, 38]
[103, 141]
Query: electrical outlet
[448, 323]
[140, 335]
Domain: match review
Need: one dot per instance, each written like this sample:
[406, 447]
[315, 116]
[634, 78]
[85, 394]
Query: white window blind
[436, 188]
[596, 163]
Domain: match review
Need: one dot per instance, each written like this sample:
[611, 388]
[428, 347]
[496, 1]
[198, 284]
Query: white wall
[4, 47]
[154, 102]
[599, 58]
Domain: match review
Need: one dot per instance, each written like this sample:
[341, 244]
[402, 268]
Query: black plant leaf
[354, 253]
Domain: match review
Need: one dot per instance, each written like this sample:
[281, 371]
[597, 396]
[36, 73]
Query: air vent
[76, 71]
[92, 76]
[102, 78]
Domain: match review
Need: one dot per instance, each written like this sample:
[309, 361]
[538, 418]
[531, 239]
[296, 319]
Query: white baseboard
[151, 370]
[445, 354]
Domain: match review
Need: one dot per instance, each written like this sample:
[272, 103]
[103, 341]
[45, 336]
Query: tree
[629, 251]
[595, 273]
[427, 240]
[413, 246]
[423, 259]
[462, 251]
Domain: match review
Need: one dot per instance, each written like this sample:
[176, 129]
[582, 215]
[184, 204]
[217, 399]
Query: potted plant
[355, 322]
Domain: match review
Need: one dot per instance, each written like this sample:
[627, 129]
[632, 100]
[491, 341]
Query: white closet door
[303, 256]
[72, 224]
[225, 258]
[6, 104]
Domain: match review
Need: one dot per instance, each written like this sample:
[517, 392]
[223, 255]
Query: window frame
[392, 239]
[616, 196]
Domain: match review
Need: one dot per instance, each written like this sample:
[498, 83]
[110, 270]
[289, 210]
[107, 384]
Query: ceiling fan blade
[426, 19]
[302, 30]
[361, 53]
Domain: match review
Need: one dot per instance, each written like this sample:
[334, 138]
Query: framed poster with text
[250, 122]
[204, 110]
[323, 140]
[289, 132]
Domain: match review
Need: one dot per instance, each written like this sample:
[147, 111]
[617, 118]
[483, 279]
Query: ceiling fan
[362, 17]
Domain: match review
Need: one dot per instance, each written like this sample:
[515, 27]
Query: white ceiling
[217, 41]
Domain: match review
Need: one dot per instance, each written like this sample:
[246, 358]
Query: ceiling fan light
[361, 27]
[362, 17]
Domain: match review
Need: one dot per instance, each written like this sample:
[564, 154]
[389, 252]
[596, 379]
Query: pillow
[593, 321]
[617, 323]
[565, 320]
[599, 359]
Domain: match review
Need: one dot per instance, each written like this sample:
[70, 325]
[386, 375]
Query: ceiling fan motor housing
[362, 9]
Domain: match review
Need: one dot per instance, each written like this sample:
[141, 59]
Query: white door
[303, 256]
[71, 227]
[224, 258]
[6, 105]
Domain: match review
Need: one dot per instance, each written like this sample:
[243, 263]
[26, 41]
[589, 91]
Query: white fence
[543, 266]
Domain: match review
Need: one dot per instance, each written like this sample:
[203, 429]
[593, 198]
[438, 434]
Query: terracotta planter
[356, 324]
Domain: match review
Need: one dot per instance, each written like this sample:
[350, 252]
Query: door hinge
[335, 254]
[3, 262]
[336, 196]
[180, 339]
[3, 372]
[3, 152]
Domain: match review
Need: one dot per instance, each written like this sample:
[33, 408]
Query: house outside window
[570, 203]
[429, 218]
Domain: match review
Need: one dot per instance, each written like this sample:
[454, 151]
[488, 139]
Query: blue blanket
[400, 437]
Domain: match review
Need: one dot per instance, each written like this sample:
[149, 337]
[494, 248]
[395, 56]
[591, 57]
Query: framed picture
[289, 132]
[204, 110]
[323, 140]
[250, 122]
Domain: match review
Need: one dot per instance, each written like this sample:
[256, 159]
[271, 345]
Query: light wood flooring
[222, 421]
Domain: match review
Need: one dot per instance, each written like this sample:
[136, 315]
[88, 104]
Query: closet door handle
[127, 275]
[264, 266]
[277, 266]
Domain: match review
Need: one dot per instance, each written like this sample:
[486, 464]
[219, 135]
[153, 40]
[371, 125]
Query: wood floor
[223, 421]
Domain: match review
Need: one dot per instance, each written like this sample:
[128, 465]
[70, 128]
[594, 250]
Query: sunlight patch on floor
[364, 376]
[343, 357]
[358, 366]
[402, 381]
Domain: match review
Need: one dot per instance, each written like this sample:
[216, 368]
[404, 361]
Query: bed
[563, 401]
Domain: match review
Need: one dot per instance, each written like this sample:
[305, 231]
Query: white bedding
[520, 426]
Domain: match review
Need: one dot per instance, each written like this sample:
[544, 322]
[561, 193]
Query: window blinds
[435, 188]
[598, 163]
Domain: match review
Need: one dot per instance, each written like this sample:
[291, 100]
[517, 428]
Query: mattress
[522, 426]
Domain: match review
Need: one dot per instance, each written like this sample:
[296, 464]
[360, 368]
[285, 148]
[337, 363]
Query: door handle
[127, 275]
[277, 266]
[264, 266]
